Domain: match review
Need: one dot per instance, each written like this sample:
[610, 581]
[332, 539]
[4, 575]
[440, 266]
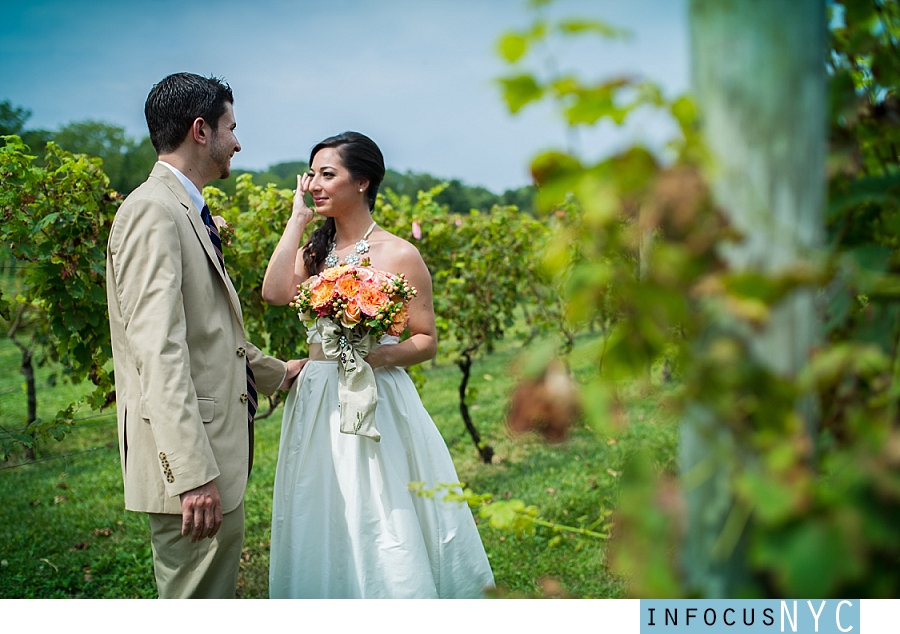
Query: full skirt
[344, 521]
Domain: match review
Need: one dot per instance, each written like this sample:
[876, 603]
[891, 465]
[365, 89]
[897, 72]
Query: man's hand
[293, 369]
[201, 512]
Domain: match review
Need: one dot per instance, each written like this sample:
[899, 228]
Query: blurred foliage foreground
[801, 470]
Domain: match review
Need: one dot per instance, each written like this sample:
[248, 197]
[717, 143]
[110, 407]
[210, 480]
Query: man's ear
[200, 131]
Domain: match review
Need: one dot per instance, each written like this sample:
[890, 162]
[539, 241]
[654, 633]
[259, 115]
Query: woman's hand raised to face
[300, 209]
[280, 282]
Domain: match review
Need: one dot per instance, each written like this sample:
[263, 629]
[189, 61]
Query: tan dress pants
[207, 569]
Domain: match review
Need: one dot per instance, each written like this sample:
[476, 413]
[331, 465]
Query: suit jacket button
[243, 398]
[241, 352]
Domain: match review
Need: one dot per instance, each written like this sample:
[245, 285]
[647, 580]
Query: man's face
[224, 142]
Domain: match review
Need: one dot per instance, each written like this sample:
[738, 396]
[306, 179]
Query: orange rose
[371, 299]
[320, 293]
[401, 319]
[351, 315]
[347, 285]
[335, 272]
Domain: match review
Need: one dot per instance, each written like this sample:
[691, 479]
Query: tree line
[127, 161]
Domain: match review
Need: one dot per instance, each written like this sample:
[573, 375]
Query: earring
[362, 189]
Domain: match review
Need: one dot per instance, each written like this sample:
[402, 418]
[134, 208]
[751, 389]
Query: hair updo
[361, 157]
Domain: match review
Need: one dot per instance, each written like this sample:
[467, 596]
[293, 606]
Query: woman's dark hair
[363, 159]
[175, 103]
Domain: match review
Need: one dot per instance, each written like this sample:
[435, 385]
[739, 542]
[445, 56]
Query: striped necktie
[213, 234]
[251, 381]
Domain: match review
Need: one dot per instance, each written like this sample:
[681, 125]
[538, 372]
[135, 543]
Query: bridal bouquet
[352, 306]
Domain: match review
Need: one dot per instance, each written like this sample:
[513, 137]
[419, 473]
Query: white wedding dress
[344, 522]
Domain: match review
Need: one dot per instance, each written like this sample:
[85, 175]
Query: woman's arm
[285, 269]
[422, 343]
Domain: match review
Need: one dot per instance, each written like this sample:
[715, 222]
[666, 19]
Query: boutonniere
[225, 228]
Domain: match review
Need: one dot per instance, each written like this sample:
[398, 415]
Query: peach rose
[401, 319]
[380, 278]
[366, 274]
[351, 315]
[347, 285]
[335, 272]
[320, 294]
[371, 298]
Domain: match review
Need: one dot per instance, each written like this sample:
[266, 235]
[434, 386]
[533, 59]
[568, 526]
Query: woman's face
[332, 188]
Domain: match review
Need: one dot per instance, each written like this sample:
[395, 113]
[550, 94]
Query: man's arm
[270, 373]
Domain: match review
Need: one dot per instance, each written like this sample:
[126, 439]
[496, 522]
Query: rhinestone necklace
[361, 248]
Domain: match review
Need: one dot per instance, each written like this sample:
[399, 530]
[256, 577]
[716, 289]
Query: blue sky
[415, 75]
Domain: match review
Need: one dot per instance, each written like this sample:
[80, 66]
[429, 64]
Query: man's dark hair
[175, 103]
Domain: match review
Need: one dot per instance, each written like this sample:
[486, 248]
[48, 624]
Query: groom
[186, 377]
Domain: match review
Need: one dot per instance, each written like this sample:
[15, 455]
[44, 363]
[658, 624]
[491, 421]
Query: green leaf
[512, 47]
[519, 91]
[810, 558]
[871, 189]
[859, 14]
[5, 307]
[772, 499]
[503, 513]
[551, 168]
[46, 220]
[592, 104]
[885, 67]
[751, 285]
[685, 111]
[597, 27]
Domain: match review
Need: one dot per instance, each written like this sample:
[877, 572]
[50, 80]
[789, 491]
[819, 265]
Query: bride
[344, 523]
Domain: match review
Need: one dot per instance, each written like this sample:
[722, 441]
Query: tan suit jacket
[179, 352]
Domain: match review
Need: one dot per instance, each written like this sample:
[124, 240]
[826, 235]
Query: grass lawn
[64, 533]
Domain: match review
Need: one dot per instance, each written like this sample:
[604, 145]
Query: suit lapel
[203, 235]
[193, 216]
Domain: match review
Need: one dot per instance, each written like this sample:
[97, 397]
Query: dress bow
[357, 392]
